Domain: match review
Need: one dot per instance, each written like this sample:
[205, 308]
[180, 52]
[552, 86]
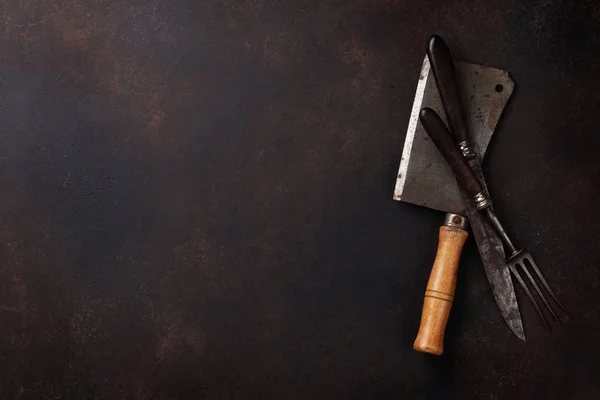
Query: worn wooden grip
[440, 291]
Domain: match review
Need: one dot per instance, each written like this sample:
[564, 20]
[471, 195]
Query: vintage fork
[443, 68]
[474, 185]
[517, 258]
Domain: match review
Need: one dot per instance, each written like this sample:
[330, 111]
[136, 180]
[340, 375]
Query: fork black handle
[443, 140]
[445, 77]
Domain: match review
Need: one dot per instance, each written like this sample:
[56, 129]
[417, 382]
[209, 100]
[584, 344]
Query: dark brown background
[196, 200]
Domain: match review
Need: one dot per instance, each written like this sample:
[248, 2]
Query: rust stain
[73, 37]
[365, 85]
[494, 114]
[176, 338]
[117, 70]
[283, 48]
[352, 52]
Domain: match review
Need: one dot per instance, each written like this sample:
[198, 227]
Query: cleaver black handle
[443, 140]
[445, 78]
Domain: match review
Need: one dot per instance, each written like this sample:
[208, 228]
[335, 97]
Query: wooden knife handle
[440, 291]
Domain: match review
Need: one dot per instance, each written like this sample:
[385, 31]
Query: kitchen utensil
[488, 243]
[425, 179]
[469, 182]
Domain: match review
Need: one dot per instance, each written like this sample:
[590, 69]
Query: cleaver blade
[424, 178]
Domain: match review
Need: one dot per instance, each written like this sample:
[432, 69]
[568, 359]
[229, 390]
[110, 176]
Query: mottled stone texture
[196, 200]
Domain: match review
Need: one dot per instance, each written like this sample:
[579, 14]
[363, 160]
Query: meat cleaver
[425, 179]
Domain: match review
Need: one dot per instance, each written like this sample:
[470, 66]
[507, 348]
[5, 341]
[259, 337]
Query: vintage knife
[489, 244]
[425, 179]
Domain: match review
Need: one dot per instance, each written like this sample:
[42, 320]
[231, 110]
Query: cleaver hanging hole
[499, 88]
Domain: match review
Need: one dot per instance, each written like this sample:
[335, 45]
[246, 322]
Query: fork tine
[541, 277]
[529, 295]
[539, 292]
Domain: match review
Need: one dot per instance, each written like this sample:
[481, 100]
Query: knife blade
[492, 255]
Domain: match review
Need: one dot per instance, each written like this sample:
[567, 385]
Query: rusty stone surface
[196, 200]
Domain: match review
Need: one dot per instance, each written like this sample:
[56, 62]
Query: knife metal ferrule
[482, 201]
[456, 221]
[467, 150]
